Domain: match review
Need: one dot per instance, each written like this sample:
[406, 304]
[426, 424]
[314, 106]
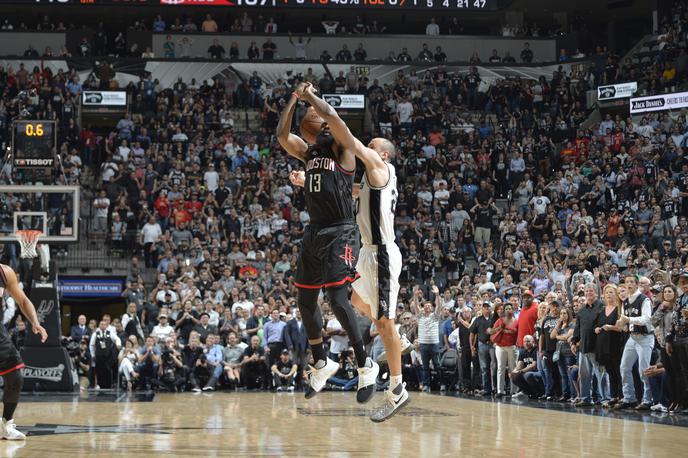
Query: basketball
[310, 125]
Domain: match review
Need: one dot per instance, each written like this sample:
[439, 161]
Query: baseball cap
[285, 352]
[162, 315]
[487, 304]
[282, 314]
[528, 293]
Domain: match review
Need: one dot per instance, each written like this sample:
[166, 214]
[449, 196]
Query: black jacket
[587, 320]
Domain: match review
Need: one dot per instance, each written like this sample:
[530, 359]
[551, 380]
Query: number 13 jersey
[375, 210]
[328, 188]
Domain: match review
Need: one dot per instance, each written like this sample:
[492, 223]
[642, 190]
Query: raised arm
[291, 143]
[371, 159]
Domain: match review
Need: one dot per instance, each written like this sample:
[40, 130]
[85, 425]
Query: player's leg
[13, 385]
[323, 367]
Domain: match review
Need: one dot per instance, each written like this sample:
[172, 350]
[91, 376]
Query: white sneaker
[279, 389]
[9, 431]
[659, 408]
[290, 389]
[318, 377]
[196, 389]
[208, 388]
[367, 380]
[392, 404]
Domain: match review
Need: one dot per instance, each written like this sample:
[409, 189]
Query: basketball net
[28, 239]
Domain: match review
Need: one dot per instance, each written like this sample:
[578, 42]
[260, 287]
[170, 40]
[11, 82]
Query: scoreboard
[34, 143]
[371, 5]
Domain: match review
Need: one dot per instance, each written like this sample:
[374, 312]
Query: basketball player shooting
[10, 361]
[330, 244]
[379, 263]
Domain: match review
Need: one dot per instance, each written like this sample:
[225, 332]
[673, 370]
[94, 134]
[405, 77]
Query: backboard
[54, 210]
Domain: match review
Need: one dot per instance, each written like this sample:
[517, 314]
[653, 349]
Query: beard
[324, 140]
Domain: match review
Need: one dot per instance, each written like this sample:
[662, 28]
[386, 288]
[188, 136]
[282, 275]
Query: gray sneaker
[392, 404]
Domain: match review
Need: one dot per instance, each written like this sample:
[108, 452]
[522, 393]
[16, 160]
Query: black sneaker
[643, 406]
[624, 405]
[583, 404]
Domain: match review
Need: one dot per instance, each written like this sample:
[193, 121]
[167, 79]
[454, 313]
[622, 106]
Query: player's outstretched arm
[341, 132]
[23, 302]
[291, 143]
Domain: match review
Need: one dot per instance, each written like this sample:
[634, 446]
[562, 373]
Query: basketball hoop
[28, 239]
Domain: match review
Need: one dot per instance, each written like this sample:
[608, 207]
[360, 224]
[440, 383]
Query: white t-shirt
[540, 204]
[162, 332]
[151, 232]
[211, 178]
[102, 212]
[337, 343]
[405, 110]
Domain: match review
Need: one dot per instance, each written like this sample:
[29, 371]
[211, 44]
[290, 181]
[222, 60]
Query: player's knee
[13, 385]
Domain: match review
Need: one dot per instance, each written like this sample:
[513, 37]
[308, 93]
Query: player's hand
[38, 329]
[301, 89]
[310, 89]
[297, 178]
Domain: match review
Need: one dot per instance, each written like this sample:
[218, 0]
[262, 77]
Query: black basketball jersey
[327, 188]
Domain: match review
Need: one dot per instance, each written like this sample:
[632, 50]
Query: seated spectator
[269, 49]
[216, 50]
[526, 375]
[254, 369]
[360, 54]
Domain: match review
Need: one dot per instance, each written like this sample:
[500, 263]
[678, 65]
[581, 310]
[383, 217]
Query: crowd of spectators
[267, 24]
[528, 240]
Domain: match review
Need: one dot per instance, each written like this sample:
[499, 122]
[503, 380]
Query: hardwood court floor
[331, 424]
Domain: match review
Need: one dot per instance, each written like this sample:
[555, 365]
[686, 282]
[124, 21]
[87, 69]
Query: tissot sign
[345, 101]
[659, 102]
[617, 91]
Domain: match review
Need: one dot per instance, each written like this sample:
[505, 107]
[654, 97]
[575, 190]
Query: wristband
[295, 95]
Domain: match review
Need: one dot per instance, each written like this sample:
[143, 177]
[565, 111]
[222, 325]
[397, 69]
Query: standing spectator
[432, 28]
[269, 49]
[330, 27]
[102, 206]
[583, 343]
[344, 55]
[271, 26]
[484, 213]
[504, 334]
[150, 234]
[79, 330]
[299, 47]
[482, 346]
[209, 25]
[104, 345]
[296, 339]
[425, 55]
[253, 52]
[360, 54]
[563, 331]
[428, 331]
[609, 340]
[273, 336]
[168, 47]
[526, 54]
[216, 50]
[440, 55]
[637, 314]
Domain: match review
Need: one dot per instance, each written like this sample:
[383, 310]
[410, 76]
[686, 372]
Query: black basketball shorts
[328, 256]
[9, 356]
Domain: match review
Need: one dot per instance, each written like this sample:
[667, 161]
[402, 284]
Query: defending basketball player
[379, 264]
[10, 361]
[330, 245]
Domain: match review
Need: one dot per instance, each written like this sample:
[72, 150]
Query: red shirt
[526, 323]
[503, 338]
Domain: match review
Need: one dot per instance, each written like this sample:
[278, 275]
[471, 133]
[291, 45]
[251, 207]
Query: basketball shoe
[367, 381]
[394, 401]
[9, 431]
[317, 377]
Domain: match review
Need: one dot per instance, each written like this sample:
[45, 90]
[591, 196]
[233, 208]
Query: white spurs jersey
[375, 210]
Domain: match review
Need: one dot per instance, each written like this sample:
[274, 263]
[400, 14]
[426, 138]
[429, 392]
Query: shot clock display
[33, 143]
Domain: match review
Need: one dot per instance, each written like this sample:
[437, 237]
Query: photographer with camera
[149, 360]
[171, 367]
[195, 363]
